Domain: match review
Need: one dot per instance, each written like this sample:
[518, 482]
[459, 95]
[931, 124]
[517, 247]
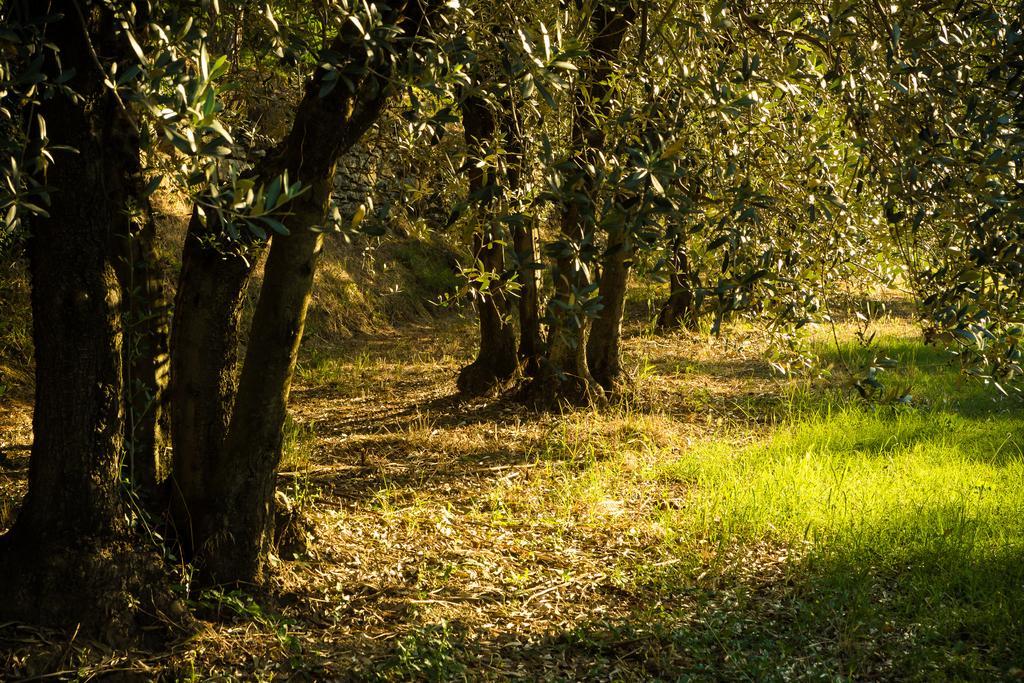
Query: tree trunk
[232, 537]
[244, 479]
[76, 330]
[681, 306]
[496, 360]
[204, 343]
[564, 376]
[68, 560]
[145, 319]
[524, 242]
[531, 343]
[603, 352]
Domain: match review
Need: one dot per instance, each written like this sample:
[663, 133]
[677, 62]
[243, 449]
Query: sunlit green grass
[772, 529]
[907, 521]
[863, 476]
[900, 527]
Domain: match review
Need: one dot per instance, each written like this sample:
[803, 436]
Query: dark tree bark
[496, 360]
[145, 350]
[681, 306]
[603, 345]
[237, 535]
[204, 343]
[564, 376]
[524, 242]
[69, 559]
[76, 315]
[531, 341]
[232, 526]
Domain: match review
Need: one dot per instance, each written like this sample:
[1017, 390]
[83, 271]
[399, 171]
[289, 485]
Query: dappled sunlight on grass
[718, 522]
[889, 535]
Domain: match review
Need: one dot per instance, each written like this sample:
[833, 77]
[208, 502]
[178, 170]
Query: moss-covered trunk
[564, 376]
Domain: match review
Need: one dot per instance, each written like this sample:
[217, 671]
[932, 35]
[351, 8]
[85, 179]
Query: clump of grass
[429, 653]
[298, 444]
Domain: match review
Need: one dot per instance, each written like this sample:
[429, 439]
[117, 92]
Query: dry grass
[454, 539]
[427, 510]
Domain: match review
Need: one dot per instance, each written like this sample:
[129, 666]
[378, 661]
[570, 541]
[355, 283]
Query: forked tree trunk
[603, 346]
[232, 538]
[564, 376]
[524, 242]
[496, 360]
[67, 560]
[239, 533]
[681, 306]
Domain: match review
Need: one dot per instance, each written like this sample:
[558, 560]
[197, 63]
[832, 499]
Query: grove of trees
[752, 154]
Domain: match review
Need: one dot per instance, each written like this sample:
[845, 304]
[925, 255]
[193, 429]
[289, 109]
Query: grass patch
[895, 533]
[298, 444]
[842, 539]
[723, 524]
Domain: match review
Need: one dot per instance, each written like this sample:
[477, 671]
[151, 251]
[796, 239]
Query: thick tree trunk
[681, 306]
[204, 343]
[68, 560]
[232, 538]
[76, 320]
[564, 376]
[145, 361]
[496, 360]
[603, 352]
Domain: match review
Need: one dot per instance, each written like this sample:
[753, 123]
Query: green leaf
[275, 225]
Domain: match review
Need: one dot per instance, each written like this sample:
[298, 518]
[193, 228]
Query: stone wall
[366, 176]
[405, 185]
